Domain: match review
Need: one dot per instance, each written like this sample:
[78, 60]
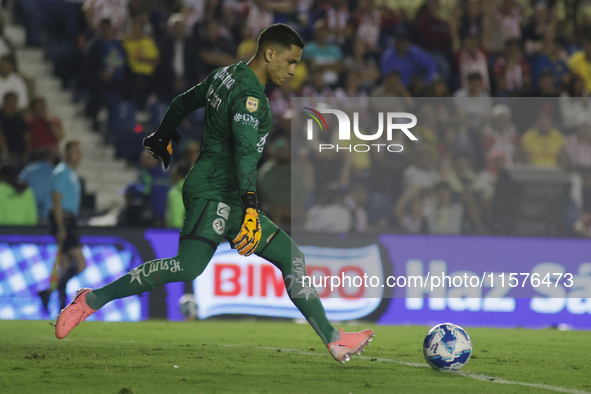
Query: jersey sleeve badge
[252, 104]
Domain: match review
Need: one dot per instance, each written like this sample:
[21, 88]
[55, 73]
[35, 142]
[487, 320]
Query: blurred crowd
[459, 65]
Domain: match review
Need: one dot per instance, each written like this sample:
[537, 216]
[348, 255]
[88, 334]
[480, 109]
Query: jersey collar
[242, 64]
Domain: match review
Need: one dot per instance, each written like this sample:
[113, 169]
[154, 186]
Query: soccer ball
[447, 347]
[188, 306]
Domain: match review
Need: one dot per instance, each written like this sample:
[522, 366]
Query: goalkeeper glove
[160, 147]
[249, 236]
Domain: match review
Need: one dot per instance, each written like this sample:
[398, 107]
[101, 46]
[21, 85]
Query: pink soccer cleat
[349, 343]
[73, 314]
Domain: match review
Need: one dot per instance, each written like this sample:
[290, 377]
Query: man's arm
[158, 143]
[182, 105]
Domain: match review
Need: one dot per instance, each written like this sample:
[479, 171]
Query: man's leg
[283, 252]
[198, 242]
[278, 248]
[190, 261]
[61, 267]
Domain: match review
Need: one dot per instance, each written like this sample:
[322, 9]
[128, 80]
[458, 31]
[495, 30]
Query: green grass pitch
[244, 356]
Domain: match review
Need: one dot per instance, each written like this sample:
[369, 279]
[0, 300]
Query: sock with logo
[190, 261]
[284, 253]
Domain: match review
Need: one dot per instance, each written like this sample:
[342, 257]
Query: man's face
[546, 83]
[321, 35]
[40, 109]
[471, 43]
[501, 121]
[282, 64]
[106, 31]
[212, 31]
[402, 46]
[353, 80]
[178, 30]
[474, 85]
[137, 30]
[513, 50]
[473, 9]
[74, 155]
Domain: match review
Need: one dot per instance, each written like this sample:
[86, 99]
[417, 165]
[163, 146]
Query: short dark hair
[546, 73]
[279, 34]
[474, 77]
[9, 95]
[513, 41]
[34, 101]
[70, 144]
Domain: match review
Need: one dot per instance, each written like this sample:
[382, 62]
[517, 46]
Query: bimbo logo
[345, 129]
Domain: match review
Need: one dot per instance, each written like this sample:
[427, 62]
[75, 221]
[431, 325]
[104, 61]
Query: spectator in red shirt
[46, 131]
[512, 71]
[368, 21]
[472, 59]
[435, 36]
[501, 135]
[337, 17]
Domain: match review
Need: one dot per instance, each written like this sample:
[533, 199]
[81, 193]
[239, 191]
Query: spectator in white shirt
[422, 173]
[10, 81]
[473, 102]
[114, 10]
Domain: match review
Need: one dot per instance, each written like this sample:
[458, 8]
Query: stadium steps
[105, 175]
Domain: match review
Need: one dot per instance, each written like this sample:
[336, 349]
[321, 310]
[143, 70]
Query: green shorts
[213, 221]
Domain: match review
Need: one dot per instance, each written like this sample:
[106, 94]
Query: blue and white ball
[188, 306]
[447, 347]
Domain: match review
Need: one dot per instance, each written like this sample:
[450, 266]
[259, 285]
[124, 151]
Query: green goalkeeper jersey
[237, 122]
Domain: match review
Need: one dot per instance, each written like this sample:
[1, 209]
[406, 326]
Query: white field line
[477, 376]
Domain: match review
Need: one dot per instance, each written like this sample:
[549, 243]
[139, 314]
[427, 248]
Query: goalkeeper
[219, 192]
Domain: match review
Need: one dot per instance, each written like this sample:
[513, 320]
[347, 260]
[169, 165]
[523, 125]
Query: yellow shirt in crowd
[580, 65]
[543, 150]
[146, 48]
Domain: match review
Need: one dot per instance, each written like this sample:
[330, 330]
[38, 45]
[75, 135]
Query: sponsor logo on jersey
[261, 144]
[214, 100]
[248, 120]
[226, 78]
[219, 225]
[252, 104]
[154, 266]
[223, 210]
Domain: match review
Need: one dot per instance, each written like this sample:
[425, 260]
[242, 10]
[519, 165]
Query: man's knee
[191, 271]
[193, 257]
